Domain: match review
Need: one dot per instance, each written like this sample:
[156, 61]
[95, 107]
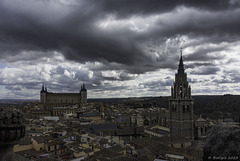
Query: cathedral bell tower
[83, 94]
[181, 105]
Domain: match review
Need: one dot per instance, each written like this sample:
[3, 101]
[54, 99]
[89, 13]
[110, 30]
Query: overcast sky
[118, 48]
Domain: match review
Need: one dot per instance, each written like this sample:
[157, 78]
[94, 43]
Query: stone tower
[43, 94]
[83, 94]
[181, 105]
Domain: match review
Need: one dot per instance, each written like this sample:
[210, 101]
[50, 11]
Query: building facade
[181, 105]
[50, 99]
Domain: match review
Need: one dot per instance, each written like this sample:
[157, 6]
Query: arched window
[188, 109]
[183, 108]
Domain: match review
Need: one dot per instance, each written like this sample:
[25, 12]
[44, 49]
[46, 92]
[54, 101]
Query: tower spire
[181, 66]
[181, 105]
[42, 88]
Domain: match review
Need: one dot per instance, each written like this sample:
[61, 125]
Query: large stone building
[181, 105]
[50, 99]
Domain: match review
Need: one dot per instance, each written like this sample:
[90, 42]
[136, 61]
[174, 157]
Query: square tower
[181, 105]
[83, 95]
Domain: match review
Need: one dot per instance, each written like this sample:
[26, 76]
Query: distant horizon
[128, 97]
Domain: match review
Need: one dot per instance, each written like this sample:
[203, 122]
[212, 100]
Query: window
[188, 109]
[174, 108]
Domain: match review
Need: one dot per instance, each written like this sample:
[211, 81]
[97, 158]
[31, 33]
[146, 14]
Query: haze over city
[118, 48]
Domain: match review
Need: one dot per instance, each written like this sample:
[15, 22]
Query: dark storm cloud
[193, 65]
[206, 71]
[126, 7]
[74, 33]
[203, 57]
[204, 53]
[19, 87]
[158, 83]
[125, 76]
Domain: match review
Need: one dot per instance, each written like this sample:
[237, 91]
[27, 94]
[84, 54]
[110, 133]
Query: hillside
[218, 106]
[214, 107]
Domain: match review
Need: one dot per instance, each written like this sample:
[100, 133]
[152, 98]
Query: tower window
[173, 107]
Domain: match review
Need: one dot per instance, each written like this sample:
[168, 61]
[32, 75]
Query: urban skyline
[118, 49]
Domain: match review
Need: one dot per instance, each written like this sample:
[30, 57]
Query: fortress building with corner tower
[48, 100]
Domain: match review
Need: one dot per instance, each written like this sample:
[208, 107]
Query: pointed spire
[42, 88]
[83, 87]
[181, 66]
